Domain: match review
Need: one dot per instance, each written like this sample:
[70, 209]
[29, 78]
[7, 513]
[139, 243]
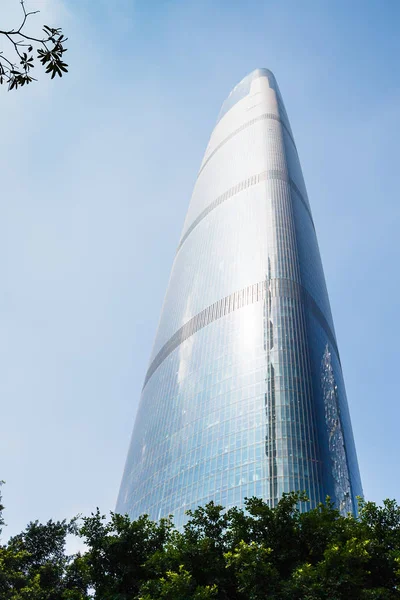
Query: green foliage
[1, 510]
[176, 586]
[49, 52]
[118, 552]
[254, 554]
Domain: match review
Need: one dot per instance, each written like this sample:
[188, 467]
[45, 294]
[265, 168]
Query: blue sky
[97, 172]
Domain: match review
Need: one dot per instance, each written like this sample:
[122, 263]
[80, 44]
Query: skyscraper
[244, 393]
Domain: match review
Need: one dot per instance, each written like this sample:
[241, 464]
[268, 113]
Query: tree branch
[49, 50]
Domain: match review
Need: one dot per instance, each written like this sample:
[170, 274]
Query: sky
[97, 171]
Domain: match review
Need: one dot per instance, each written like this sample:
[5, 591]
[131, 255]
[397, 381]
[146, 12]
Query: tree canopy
[253, 554]
[17, 63]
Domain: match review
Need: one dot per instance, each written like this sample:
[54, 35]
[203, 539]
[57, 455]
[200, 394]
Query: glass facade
[244, 393]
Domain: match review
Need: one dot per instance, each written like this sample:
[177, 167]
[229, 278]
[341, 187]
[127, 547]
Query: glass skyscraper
[244, 393]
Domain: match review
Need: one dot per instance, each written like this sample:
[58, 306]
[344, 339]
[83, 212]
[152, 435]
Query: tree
[35, 566]
[1, 510]
[260, 553]
[16, 67]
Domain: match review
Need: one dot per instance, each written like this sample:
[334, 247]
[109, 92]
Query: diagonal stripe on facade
[248, 295]
[239, 187]
[263, 117]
